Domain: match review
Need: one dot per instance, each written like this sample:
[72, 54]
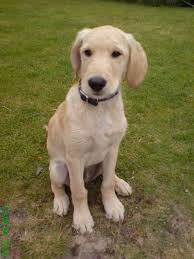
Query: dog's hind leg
[58, 176]
[121, 187]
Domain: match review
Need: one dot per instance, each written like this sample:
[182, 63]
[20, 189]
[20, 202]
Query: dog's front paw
[83, 221]
[61, 205]
[114, 208]
[122, 187]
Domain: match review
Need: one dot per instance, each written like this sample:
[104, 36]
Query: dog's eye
[116, 54]
[88, 52]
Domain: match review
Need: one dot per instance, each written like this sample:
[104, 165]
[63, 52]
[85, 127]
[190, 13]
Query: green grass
[156, 156]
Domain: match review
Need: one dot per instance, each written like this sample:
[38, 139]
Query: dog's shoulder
[61, 113]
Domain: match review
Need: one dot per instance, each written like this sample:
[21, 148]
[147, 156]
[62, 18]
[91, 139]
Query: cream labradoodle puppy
[85, 132]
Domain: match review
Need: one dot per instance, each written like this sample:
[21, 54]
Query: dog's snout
[97, 83]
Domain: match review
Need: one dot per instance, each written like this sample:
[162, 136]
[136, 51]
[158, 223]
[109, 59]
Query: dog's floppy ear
[75, 50]
[137, 65]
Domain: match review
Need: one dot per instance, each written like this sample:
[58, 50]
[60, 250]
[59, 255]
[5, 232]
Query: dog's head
[103, 56]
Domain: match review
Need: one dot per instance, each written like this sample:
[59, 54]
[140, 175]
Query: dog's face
[103, 56]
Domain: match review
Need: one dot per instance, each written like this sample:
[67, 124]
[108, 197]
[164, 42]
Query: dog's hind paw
[122, 188]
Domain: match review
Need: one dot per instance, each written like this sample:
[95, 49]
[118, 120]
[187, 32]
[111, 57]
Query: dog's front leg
[82, 219]
[113, 207]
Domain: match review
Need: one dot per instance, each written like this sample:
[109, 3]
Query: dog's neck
[81, 110]
[74, 99]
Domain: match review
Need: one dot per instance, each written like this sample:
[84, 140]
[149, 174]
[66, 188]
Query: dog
[85, 132]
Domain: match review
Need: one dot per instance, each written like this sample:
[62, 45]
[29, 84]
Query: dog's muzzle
[95, 101]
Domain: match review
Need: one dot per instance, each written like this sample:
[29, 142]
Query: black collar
[95, 101]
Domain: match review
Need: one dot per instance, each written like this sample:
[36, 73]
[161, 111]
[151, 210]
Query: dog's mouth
[99, 93]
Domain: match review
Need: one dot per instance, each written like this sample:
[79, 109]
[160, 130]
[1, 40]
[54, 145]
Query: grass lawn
[156, 156]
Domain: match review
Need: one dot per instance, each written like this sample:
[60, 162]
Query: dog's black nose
[97, 83]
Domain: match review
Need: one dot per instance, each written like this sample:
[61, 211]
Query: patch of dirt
[15, 253]
[93, 246]
[17, 214]
[140, 199]
[17, 218]
[179, 225]
[129, 233]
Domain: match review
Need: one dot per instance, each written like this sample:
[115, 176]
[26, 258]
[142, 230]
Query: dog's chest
[94, 130]
[105, 131]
